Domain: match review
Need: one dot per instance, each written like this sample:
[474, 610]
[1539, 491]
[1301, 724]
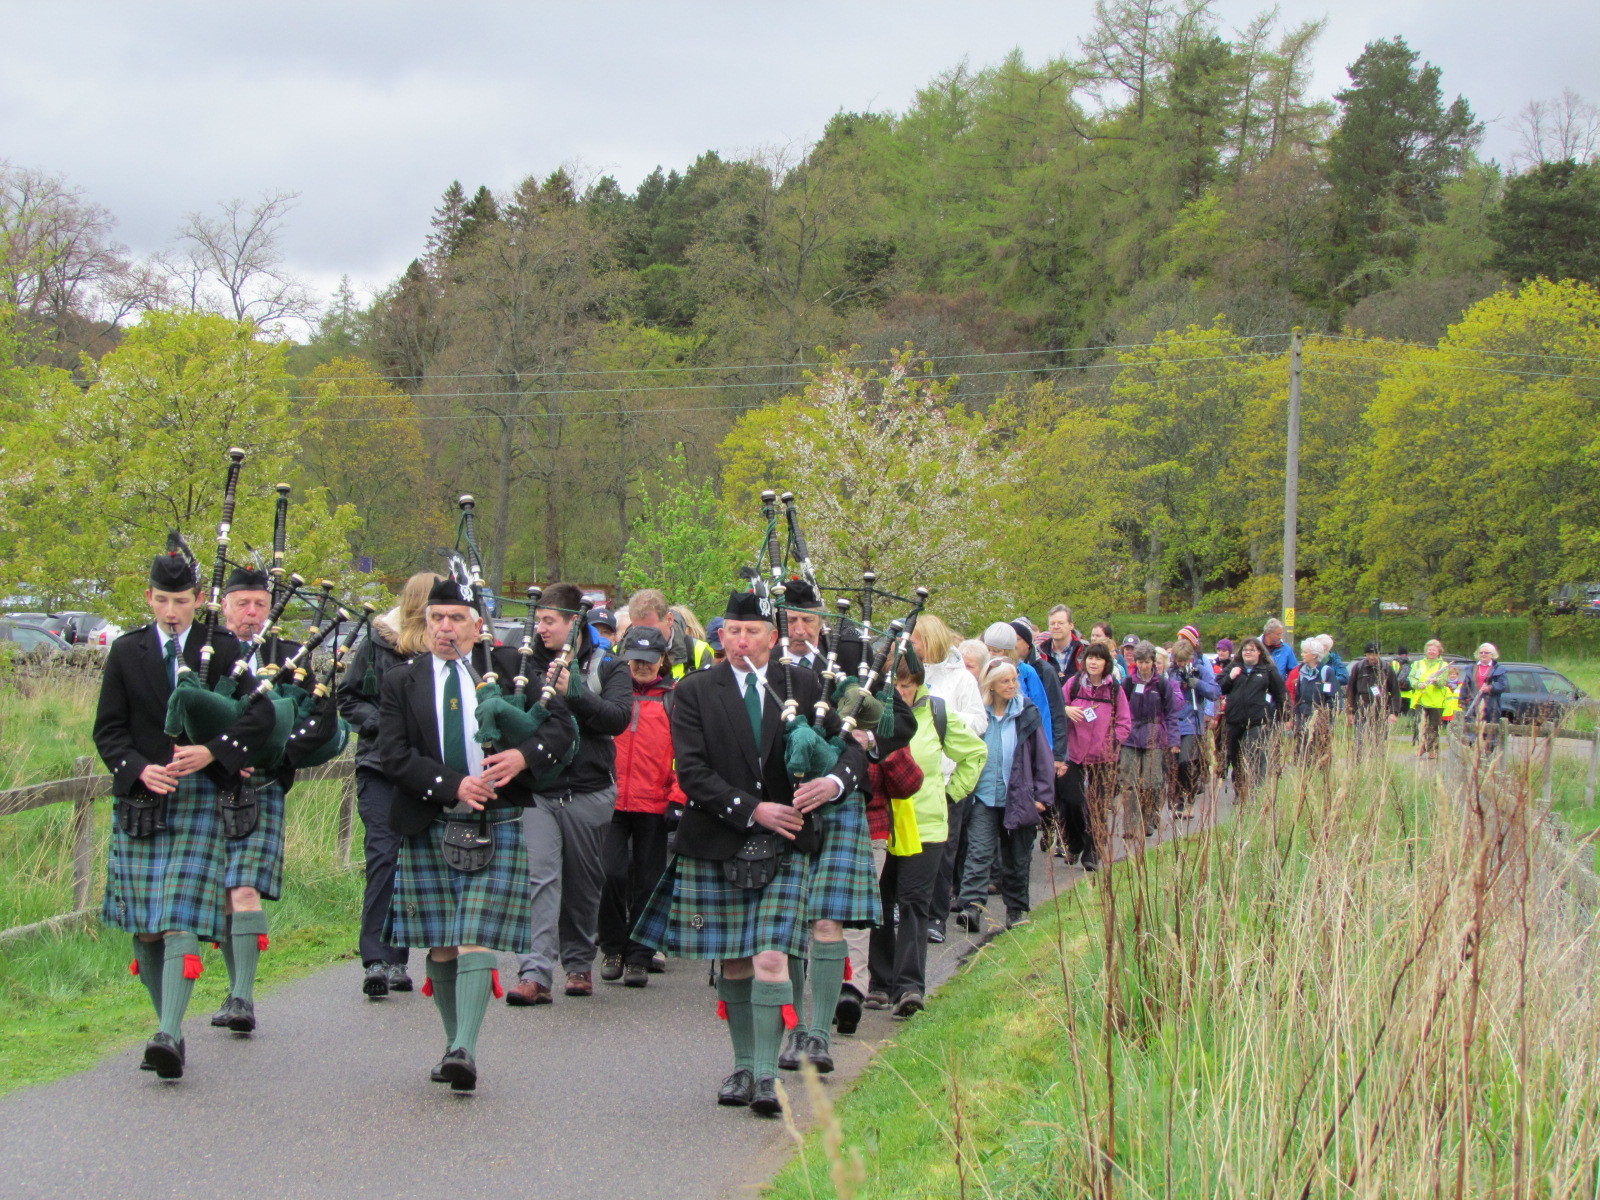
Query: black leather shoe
[375, 984]
[847, 1013]
[241, 1015]
[437, 1075]
[163, 1054]
[399, 980]
[146, 1065]
[794, 1045]
[764, 1100]
[219, 1019]
[737, 1089]
[818, 1052]
[459, 1071]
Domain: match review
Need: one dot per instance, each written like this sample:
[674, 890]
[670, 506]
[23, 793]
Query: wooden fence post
[1594, 766]
[82, 838]
[1549, 731]
[347, 814]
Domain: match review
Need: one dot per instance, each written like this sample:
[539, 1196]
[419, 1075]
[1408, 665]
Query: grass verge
[67, 999]
[1369, 983]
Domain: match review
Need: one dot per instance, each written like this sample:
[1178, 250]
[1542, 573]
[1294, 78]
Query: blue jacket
[1033, 688]
[1469, 693]
[1198, 695]
[1283, 657]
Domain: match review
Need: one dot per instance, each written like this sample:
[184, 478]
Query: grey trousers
[566, 836]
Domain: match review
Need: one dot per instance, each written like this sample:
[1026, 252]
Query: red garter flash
[722, 1005]
[193, 967]
[849, 970]
[262, 941]
[790, 1017]
[427, 986]
[494, 980]
[133, 967]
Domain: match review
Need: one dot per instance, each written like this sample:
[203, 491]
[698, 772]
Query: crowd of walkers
[657, 811]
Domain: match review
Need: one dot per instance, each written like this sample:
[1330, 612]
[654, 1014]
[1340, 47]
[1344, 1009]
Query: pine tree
[446, 223]
[1549, 224]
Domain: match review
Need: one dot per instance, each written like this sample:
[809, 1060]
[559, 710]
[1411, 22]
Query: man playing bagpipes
[255, 856]
[165, 877]
[461, 888]
[737, 887]
[844, 878]
[569, 822]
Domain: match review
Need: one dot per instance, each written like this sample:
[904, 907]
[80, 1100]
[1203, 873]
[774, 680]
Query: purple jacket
[1033, 771]
[1155, 707]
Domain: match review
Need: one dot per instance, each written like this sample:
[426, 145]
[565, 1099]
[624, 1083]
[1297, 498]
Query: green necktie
[752, 705]
[172, 662]
[455, 722]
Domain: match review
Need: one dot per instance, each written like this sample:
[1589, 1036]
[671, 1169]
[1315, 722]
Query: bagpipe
[863, 696]
[307, 729]
[508, 719]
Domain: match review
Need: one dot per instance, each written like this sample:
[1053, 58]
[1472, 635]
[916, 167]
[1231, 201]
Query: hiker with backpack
[1153, 706]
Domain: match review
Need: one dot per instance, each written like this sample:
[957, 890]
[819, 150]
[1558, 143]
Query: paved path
[610, 1097]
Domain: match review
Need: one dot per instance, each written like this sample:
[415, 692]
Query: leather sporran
[468, 845]
[756, 861]
[140, 815]
[240, 810]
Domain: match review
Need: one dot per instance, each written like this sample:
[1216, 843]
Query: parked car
[507, 632]
[1535, 692]
[56, 623]
[28, 637]
[90, 629]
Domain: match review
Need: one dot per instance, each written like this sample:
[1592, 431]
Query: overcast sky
[368, 110]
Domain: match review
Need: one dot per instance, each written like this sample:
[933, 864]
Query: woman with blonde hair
[1430, 680]
[1480, 691]
[396, 637]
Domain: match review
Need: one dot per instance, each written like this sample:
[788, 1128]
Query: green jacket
[962, 747]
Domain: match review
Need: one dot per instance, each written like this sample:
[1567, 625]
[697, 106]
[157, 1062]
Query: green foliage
[141, 450]
[683, 541]
[1549, 224]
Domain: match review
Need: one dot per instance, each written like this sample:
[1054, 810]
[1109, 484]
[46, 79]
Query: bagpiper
[737, 887]
[255, 858]
[166, 873]
[461, 888]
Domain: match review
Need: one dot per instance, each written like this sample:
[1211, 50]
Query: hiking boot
[611, 968]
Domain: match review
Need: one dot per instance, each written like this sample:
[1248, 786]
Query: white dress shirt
[441, 669]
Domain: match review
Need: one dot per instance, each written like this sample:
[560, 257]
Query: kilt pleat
[256, 860]
[695, 912]
[844, 887]
[436, 905]
[171, 880]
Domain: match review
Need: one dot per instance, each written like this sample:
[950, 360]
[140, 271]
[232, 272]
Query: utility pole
[1291, 485]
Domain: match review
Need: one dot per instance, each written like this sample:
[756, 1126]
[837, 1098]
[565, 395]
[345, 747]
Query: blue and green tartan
[256, 860]
[171, 880]
[844, 886]
[436, 905]
[696, 913]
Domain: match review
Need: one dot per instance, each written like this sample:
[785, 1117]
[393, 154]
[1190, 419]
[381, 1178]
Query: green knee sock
[797, 978]
[735, 997]
[474, 983]
[180, 967]
[767, 1002]
[149, 956]
[442, 983]
[249, 928]
[827, 981]
[225, 944]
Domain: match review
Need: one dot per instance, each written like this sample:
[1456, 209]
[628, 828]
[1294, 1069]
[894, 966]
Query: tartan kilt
[171, 880]
[695, 912]
[436, 905]
[256, 860]
[844, 886]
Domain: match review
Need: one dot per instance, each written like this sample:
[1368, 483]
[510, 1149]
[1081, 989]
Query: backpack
[1116, 690]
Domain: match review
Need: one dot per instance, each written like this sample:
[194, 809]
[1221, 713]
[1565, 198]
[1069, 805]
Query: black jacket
[1363, 678]
[722, 772]
[375, 651]
[1257, 696]
[409, 752]
[602, 713]
[129, 720]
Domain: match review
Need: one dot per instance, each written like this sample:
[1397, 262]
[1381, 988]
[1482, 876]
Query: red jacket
[646, 781]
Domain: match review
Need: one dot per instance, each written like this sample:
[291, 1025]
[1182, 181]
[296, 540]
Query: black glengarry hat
[747, 606]
[247, 579]
[799, 594]
[448, 591]
[172, 573]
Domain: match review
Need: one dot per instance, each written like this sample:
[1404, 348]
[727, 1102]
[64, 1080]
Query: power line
[1334, 337]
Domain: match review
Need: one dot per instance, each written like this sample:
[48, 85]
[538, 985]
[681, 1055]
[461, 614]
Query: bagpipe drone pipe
[306, 728]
